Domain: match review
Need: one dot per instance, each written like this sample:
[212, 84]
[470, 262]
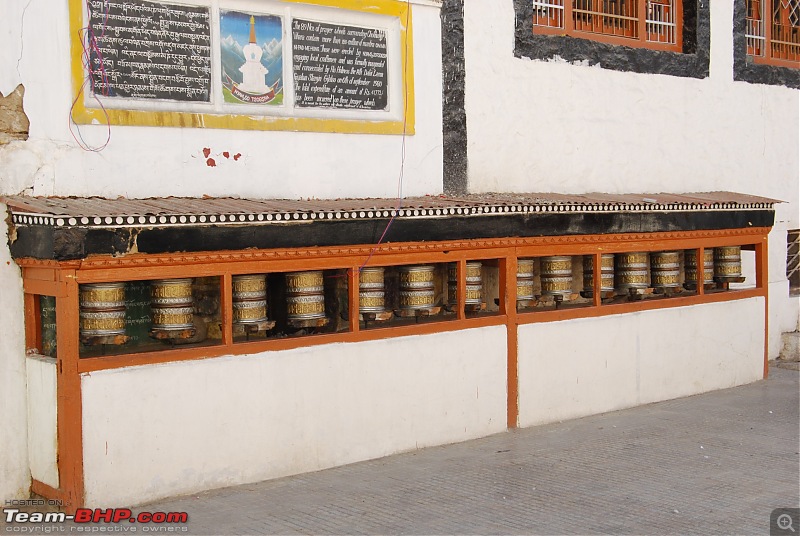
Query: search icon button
[784, 521]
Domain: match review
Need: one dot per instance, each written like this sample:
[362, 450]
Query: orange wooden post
[226, 303]
[597, 278]
[68, 385]
[353, 276]
[33, 322]
[508, 306]
[701, 270]
[762, 283]
[461, 292]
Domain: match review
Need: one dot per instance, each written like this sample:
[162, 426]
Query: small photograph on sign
[251, 48]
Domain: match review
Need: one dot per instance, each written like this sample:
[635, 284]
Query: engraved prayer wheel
[417, 287]
[249, 298]
[474, 282]
[727, 263]
[171, 304]
[102, 309]
[305, 295]
[631, 271]
[690, 267]
[606, 273]
[665, 269]
[371, 291]
[524, 280]
[556, 275]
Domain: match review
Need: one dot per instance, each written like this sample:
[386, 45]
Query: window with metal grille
[637, 23]
[773, 31]
[793, 261]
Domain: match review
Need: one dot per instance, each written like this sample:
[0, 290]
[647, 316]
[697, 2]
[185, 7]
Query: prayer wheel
[728, 263]
[371, 291]
[474, 283]
[305, 295]
[417, 287]
[524, 280]
[102, 309]
[606, 273]
[171, 304]
[556, 275]
[690, 267]
[249, 298]
[631, 271]
[665, 269]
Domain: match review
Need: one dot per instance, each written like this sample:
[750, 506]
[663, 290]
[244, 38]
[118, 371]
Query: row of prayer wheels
[417, 286]
[172, 303]
[625, 272]
[172, 307]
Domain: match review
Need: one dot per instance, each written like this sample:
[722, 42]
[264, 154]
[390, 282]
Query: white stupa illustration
[253, 72]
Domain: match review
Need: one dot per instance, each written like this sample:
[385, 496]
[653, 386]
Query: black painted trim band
[69, 243]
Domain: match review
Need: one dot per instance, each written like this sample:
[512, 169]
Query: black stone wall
[692, 62]
[454, 115]
[743, 67]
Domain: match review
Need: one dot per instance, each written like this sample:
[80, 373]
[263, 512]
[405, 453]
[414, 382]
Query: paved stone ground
[717, 463]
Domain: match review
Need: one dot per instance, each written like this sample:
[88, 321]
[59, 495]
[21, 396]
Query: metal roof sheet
[96, 211]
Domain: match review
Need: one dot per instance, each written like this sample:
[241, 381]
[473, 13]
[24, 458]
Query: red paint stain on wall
[206, 152]
[211, 162]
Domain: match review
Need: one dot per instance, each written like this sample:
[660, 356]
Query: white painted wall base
[42, 422]
[574, 368]
[15, 478]
[163, 430]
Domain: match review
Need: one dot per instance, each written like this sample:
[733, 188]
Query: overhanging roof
[74, 227]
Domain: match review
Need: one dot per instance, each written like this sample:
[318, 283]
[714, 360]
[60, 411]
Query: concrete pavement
[716, 463]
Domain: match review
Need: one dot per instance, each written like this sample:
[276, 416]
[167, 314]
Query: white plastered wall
[42, 420]
[539, 126]
[158, 161]
[574, 368]
[150, 162]
[14, 473]
[162, 430]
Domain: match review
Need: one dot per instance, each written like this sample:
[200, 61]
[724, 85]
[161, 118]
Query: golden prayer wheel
[171, 304]
[631, 271]
[417, 287]
[524, 279]
[606, 273]
[102, 309]
[690, 267]
[727, 263]
[371, 291]
[556, 275]
[474, 282]
[305, 295]
[249, 298]
[665, 269]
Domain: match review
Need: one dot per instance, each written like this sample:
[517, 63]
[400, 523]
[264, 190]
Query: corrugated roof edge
[170, 211]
